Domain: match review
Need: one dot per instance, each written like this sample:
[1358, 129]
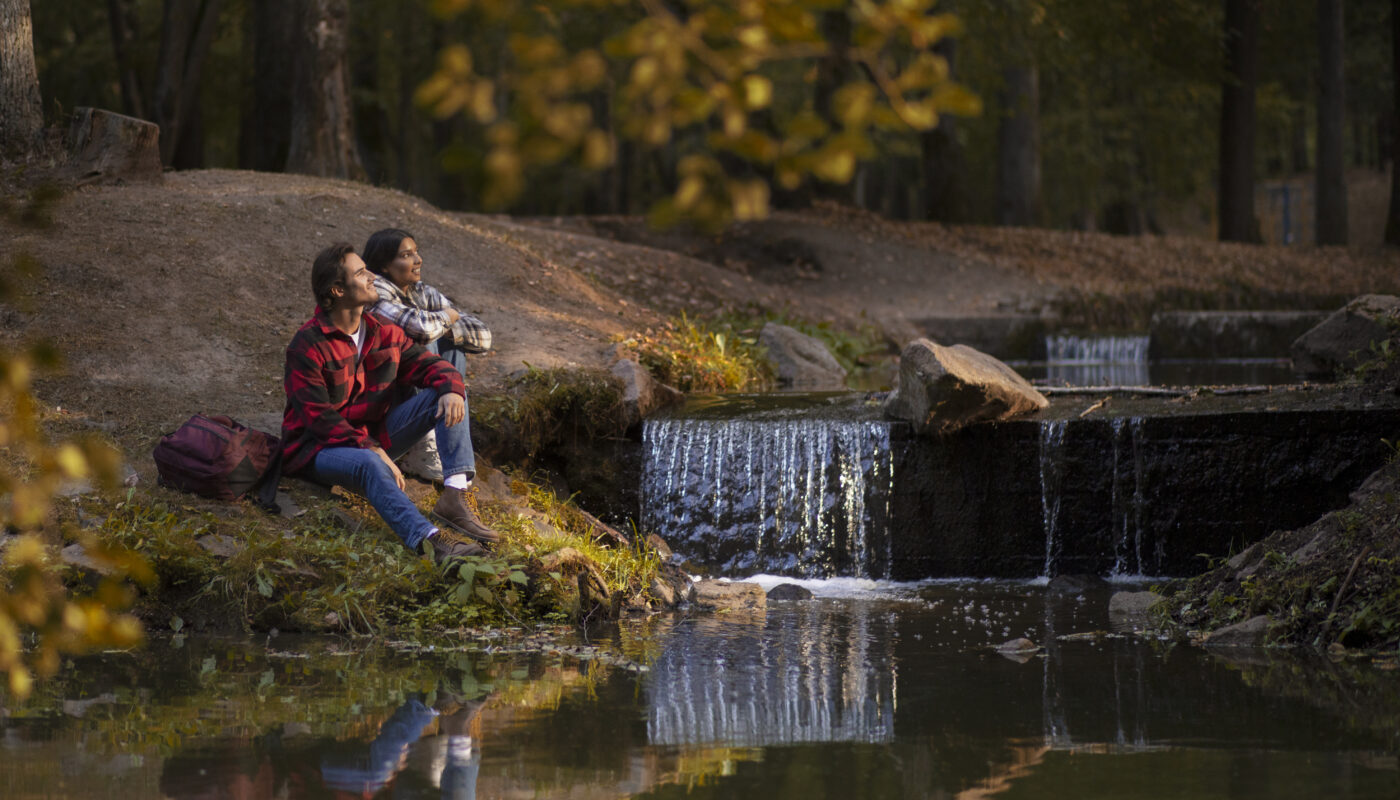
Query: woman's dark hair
[328, 270]
[383, 247]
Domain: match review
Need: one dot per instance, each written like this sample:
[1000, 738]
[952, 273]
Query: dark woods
[1131, 116]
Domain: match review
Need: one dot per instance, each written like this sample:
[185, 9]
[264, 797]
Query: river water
[871, 690]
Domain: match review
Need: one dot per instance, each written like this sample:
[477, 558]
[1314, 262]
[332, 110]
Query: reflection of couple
[400, 758]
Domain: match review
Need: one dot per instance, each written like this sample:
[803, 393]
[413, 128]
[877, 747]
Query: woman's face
[407, 267]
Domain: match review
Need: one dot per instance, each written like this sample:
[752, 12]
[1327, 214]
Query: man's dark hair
[328, 270]
[383, 247]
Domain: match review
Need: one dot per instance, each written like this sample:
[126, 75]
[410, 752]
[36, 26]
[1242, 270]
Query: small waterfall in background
[798, 496]
[823, 679]
[1127, 497]
[1096, 360]
[1052, 440]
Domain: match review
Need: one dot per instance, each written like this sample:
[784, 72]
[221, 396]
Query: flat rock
[1344, 339]
[942, 389]
[1249, 633]
[729, 596]
[801, 361]
[220, 546]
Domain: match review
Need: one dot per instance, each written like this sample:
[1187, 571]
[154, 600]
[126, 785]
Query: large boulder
[942, 389]
[1344, 339]
[801, 361]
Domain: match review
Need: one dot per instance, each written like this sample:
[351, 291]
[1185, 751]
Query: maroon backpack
[216, 456]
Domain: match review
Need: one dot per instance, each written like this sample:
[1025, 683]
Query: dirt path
[180, 297]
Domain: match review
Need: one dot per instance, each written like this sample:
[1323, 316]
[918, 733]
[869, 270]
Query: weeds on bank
[543, 406]
[324, 575]
[723, 354]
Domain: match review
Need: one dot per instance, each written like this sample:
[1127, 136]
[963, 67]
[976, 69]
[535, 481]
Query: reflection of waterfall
[1052, 440]
[820, 678]
[1096, 360]
[806, 497]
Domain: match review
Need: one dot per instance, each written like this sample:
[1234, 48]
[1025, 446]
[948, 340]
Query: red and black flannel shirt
[335, 400]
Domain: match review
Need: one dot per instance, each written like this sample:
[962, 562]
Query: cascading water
[800, 496]
[1096, 360]
[1052, 441]
[1127, 497]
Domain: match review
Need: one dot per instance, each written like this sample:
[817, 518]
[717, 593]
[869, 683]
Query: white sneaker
[422, 460]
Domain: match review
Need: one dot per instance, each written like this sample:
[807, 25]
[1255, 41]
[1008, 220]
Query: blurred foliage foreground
[704, 79]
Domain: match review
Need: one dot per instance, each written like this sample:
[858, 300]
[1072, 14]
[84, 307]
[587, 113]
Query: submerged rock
[1132, 604]
[1249, 633]
[942, 389]
[789, 591]
[801, 361]
[1344, 339]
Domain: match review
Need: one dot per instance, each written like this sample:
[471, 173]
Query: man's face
[357, 281]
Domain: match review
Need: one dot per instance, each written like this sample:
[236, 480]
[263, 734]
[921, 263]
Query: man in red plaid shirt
[349, 411]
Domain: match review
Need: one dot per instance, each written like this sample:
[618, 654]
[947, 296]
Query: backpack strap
[267, 487]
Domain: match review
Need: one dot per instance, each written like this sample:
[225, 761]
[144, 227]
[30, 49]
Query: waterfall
[1126, 502]
[1052, 440]
[1096, 360]
[795, 496]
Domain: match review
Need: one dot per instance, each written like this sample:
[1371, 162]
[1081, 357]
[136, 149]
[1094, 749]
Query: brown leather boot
[446, 547]
[452, 507]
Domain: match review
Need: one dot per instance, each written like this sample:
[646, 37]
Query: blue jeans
[365, 473]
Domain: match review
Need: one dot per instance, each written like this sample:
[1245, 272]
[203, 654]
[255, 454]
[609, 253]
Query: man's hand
[451, 409]
[452, 315]
[394, 468]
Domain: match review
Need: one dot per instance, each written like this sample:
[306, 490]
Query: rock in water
[942, 389]
[1344, 339]
[802, 362]
[789, 591]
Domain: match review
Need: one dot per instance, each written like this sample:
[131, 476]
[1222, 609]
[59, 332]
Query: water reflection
[888, 698]
[806, 677]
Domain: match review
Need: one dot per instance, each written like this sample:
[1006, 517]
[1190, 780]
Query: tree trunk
[944, 161]
[1392, 221]
[265, 135]
[1237, 122]
[1331, 192]
[125, 32]
[187, 29]
[323, 131]
[21, 110]
[1018, 147]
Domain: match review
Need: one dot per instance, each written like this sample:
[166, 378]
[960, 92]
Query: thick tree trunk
[265, 135]
[1392, 222]
[1018, 147]
[1331, 192]
[322, 131]
[21, 111]
[125, 32]
[1237, 122]
[187, 29]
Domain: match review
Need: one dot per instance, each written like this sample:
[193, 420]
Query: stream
[871, 690]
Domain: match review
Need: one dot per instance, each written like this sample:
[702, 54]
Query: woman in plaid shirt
[429, 319]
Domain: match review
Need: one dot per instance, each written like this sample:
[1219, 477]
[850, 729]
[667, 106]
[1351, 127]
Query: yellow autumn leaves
[729, 87]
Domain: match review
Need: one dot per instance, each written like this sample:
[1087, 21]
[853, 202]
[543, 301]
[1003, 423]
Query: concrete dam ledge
[1136, 487]
[1156, 489]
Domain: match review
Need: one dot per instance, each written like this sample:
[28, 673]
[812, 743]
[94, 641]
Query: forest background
[1194, 117]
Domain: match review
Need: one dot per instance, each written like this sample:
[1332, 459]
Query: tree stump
[108, 147]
